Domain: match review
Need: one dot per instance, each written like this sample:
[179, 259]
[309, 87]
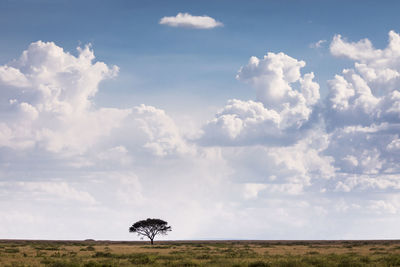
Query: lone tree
[150, 228]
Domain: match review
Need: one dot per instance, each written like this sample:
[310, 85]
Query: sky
[227, 119]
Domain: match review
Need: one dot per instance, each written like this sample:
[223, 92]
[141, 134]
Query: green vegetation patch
[11, 250]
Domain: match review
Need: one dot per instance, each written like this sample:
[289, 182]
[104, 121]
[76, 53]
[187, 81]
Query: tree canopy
[150, 228]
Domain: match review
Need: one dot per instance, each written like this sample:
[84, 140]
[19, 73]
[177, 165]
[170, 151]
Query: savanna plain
[199, 253]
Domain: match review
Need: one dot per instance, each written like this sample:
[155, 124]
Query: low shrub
[96, 264]
[90, 248]
[141, 258]
[101, 254]
[259, 264]
[63, 264]
[11, 250]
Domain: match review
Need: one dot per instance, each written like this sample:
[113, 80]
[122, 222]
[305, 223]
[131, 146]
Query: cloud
[44, 191]
[49, 100]
[389, 205]
[362, 49]
[58, 147]
[318, 44]
[251, 190]
[358, 124]
[283, 105]
[285, 163]
[273, 76]
[59, 190]
[362, 113]
[186, 20]
[368, 182]
[163, 136]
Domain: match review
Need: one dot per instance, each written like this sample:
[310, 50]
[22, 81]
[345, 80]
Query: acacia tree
[150, 228]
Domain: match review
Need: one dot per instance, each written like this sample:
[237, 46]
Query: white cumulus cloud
[47, 99]
[284, 103]
[363, 114]
[187, 20]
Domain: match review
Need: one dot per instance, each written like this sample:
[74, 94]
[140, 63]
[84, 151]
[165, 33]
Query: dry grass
[200, 253]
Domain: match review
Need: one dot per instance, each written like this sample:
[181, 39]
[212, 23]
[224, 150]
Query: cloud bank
[287, 163]
[363, 103]
[279, 112]
[186, 20]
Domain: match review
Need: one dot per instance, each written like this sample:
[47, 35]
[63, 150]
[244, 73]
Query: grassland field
[200, 253]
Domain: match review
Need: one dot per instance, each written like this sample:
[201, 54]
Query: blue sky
[250, 121]
[127, 34]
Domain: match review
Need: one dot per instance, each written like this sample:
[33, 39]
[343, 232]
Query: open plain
[200, 253]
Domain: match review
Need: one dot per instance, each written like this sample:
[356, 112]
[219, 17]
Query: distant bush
[59, 263]
[185, 263]
[203, 256]
[141, 258]
[349, 262]
[96, 264]
[46, 248]
[56, 255]
[259, 264]
[312, 253]
[64, 264]
[11, 250]
[159, 247]
[101, 254]
[290, 263]
[90, 248]
[377, 248]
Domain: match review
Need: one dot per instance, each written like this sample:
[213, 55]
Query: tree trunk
[151, 241]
